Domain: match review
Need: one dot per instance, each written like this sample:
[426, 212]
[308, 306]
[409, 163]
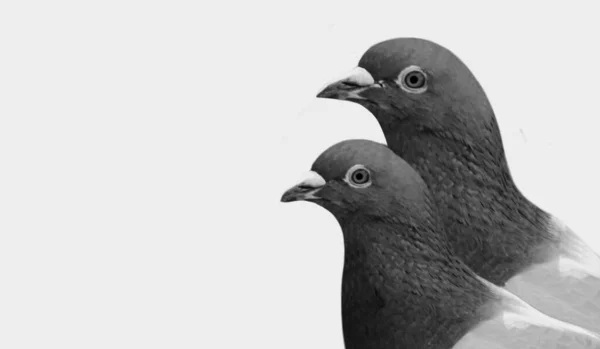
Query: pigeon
[436, 116]
[402, 286]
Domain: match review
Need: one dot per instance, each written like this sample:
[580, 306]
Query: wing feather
[568, 286]
[519, 330]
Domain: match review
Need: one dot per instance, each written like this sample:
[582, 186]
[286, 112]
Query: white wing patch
[518, 325]
[566, 287]
[519, 314]
[513, 320]
[577, 269]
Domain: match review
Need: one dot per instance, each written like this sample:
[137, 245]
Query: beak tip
[323, 93]
[291, 195]
[330, 92]
[285, 198]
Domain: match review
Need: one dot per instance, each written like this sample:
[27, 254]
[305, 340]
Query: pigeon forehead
[387, 59]
[337, 159]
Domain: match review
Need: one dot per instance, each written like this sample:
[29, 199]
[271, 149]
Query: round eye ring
[412, 79]
[358, 176]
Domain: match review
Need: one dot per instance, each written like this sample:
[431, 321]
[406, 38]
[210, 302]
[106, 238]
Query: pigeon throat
[403, 290]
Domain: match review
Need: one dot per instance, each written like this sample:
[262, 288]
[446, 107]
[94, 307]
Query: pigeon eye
[412, 79]
[415, 79]
[358, 176]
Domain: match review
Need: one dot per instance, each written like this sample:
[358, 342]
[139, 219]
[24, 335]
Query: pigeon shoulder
[576, 258]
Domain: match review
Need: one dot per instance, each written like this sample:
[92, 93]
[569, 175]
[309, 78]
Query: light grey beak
[350, 86]
[305, 189]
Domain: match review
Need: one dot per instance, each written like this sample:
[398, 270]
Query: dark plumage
[402, 286]
[446, 129]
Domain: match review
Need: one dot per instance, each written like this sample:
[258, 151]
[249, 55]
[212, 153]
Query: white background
[144, 147]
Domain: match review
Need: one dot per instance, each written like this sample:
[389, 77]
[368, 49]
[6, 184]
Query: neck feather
[480, 205]
[402, 290]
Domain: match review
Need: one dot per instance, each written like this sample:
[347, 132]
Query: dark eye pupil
[360, 177]
[415, 80]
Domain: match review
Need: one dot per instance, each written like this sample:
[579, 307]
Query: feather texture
[447, 131]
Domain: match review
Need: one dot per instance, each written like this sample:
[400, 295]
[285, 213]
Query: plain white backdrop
[144, 147]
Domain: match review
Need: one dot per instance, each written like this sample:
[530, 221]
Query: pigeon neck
[402, 288]
[480, 205]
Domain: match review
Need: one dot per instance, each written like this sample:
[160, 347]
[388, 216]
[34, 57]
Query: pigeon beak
[350, 86]
[306, 189]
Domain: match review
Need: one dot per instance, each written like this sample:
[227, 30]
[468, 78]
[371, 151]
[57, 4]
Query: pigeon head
[397, 261]
[414, 85]
[361, 178]
[435, 115]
